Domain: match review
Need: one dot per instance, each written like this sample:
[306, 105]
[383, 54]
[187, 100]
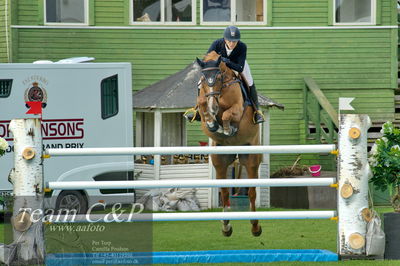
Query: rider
[233, 53]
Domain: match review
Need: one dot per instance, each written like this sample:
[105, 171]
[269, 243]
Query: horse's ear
[201, 63]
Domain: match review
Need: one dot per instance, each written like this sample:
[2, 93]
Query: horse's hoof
[232, 132]
[213, 128]
[227, 233]
[258, 233]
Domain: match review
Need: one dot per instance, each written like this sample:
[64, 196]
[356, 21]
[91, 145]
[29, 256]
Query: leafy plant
[3, 146]
[384, 159]
[5, 200]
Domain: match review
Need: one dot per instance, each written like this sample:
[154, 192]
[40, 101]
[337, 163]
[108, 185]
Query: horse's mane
[211, 56]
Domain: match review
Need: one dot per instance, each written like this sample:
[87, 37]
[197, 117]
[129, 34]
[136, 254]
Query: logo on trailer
[36, 93]
[52, 129]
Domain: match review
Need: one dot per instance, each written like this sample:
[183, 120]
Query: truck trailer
[84, 105]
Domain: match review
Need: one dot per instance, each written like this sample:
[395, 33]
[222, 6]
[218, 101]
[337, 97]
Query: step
[397, 99]
[397, 103]
[374, 132]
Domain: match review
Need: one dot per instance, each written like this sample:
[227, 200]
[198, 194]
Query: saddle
[245, 94]
[245, 89]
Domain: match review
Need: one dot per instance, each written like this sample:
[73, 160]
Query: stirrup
[258, 112]
[192, 110]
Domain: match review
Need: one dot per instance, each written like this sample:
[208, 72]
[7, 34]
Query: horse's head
[211, 82]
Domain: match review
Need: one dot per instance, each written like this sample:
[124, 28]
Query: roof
[179, 91]
[265, 101]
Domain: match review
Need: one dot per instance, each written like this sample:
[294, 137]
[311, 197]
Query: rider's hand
[225, 60]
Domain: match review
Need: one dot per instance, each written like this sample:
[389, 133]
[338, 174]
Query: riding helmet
[232, 34]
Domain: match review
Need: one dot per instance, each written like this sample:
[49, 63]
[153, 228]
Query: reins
[230, 83]
[210, 68]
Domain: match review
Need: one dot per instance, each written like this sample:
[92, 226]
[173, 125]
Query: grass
[278, 234]
[206, 235]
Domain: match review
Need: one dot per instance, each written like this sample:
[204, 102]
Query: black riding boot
[258, 116]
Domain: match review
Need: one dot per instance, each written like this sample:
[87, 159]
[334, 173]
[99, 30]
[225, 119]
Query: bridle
[209, 75]
[212, 79]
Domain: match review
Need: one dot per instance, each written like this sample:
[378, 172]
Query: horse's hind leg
[226, 226]
[221, 163]
[252, 163]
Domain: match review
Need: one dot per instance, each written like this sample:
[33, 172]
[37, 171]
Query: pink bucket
[315, 170]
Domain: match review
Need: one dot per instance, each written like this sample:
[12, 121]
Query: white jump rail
[201, 183]
[192, 216]
[281, 149]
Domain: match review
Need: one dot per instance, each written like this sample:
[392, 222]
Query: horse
[228, 122]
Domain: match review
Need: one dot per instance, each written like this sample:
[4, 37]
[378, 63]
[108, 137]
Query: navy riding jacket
[237, 58]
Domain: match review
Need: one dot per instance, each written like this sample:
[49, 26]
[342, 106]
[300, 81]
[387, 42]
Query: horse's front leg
[232, 114]
[211, 121]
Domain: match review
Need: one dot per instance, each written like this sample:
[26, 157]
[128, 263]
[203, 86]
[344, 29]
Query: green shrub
[384, 159]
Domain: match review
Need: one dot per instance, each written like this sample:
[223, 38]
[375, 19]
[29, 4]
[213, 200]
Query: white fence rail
[192, 216]
[149, 184]
[322, 148]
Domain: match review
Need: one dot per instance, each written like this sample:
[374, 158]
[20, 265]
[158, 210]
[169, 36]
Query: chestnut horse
[228, 122]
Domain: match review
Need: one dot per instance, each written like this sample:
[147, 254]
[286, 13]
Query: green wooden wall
[345, 62]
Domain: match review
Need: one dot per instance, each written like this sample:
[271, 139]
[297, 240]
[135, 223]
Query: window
[232, 11]
[173, 132]
[163, 11]
[66, 11]
[109, 97]
[5, 87]
[354, 12]
[173, 128]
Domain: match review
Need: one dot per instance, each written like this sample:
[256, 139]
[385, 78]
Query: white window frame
[162, 18]
[373, 16]
[233, 16]
[86, 14]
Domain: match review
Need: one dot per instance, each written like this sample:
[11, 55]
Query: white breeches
[247, 74]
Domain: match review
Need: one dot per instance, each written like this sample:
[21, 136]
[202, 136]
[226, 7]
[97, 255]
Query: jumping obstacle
[278, 149]
[353, 171]
[180, 257]
[196, 216]
[150, 184]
